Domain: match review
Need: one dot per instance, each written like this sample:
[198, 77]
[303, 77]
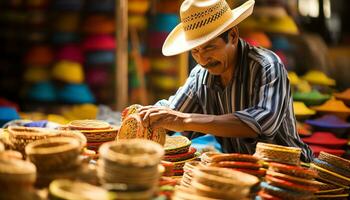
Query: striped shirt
[259, 95]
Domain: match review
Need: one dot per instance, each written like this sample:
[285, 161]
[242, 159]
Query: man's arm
[219, 125]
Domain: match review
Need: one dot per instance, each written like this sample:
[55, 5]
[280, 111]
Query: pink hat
[97, 76]
[70, 52]
[325, 139]
[99, 42]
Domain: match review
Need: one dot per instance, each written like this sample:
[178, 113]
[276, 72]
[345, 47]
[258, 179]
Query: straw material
[334, 160]
[278, 153]
[176, 145]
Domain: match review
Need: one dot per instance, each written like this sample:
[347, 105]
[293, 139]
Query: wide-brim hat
[329, 121]
[201, 21]
[326, 139]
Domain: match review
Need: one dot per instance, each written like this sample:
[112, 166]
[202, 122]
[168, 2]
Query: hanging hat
[70, 52]
[303, 129]
[318, 78]
[329, 121]
[99, 24]
[42, 91]
[139, 22]
[39, 55]
[7, 103]
[168, 6]
[7, 114]
[67, 22]
[164, 22]
[76, 93]
[301, 111]
[99, 42]
[97, 76]
[139, 7]
[344, 96]
[335, 107]
[67, 71]
[260, 37]
[100, 57]
[310, 98]
[317, 149]
[280, 43]
[201, 21]
[293, 78]
[325, 139]
[36, 74]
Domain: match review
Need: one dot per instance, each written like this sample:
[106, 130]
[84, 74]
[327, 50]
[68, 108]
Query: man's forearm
[219, 125]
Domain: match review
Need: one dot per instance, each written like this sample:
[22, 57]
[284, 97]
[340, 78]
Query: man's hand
[159, 116]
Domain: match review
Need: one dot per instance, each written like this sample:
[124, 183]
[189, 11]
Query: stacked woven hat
[97, 132]
[132, 127]
[311, 98]
[56, 157]
[285, 179]
[217, 183]
[130, 168]
[178, 150]
[344, 96]
[334, 172]
[17, 178]
[335, 107]
[241, 162]
[301, 111]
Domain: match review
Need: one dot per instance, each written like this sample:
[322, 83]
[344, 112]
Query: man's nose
[202, 59]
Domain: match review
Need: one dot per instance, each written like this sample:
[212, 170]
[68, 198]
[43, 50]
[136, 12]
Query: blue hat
[100, 57]
[42, 91]
[280, 43]
[76, 93]
[164, 22]
[7, 114]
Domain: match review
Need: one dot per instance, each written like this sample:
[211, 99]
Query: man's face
[215, 55]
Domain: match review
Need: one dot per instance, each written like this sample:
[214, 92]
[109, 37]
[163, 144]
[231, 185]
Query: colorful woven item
[328, 121]
[344, 96]
[39, 55]
[310, 98]
[70, 52]
[335, 107]
[180, 157]
[259, 37]
[318, 78]
[42, 91]
[99, 24]
[82, 94]
[68, 71]
[278, 153]
[99, 43]
[301, 111]
[176, 145]
[326, 139]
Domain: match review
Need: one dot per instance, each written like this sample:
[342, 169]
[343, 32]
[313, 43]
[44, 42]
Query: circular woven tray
[334, 160]
[176, 145]
[88, 124]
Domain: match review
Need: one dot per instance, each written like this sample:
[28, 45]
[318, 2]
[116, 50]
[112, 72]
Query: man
[237, 92]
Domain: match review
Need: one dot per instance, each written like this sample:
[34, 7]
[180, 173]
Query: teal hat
[164, 22]
[42, 91]
[76, 93]
[7, 114]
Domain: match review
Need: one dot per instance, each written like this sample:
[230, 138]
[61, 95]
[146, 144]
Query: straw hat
[201, 21]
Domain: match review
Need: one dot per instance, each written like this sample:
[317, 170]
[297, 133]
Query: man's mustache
[211, 64]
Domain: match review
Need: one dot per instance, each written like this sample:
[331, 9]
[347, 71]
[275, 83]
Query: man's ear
[234, 35]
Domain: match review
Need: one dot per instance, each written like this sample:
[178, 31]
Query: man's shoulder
[263, 56]
[198, 72]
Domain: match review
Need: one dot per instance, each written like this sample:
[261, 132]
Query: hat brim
[177, 43]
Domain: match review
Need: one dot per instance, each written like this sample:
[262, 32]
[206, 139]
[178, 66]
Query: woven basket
[102, 135]
[292, 170]
[278, 153]
[294, 179]
[331, 167]
[334, 160]
[14, 171]
[290, 185]
[53, 153]
[177, 145]
[330, 176]
[66, 189]
[136, 152]
[88, 124]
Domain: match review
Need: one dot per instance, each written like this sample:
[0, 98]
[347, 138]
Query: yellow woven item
[67, 71]
[300, 109]
[36, 74]
[293, 78]
[318, 78]
[84, 111]
[57, 119]
[333, 105]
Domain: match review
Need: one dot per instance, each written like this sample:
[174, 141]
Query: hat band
[200, 27]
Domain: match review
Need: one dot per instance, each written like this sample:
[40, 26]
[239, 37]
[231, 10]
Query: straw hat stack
[333, 171]
[130, 168]
[178, 150]
[217, 183]
[17, 178]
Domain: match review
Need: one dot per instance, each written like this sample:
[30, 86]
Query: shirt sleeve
[185, 98]
[272, 102]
